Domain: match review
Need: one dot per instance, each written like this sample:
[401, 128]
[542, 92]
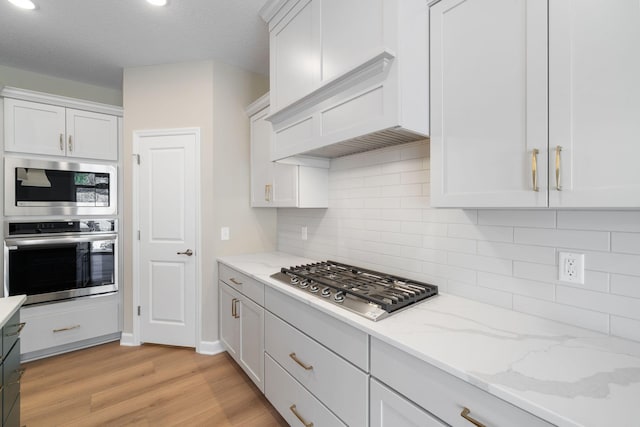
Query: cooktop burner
[371, 294]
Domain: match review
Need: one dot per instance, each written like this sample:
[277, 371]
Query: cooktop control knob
[304, 283]
[338, 297]
[294, 280]
[326, 292]
[313, 288]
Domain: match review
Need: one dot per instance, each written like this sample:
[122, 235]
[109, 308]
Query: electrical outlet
[303, 232]
[224, 233]
[571, 267]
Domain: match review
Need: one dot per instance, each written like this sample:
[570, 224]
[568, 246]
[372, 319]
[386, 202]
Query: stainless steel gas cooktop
[368, 293]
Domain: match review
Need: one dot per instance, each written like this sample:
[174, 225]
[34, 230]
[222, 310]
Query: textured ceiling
[93, 40]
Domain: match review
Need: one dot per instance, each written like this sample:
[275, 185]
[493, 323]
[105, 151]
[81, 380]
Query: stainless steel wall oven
[51, 261]
[43, 187]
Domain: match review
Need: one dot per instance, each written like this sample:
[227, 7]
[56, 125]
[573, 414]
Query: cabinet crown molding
[257, 105]
[63, 101]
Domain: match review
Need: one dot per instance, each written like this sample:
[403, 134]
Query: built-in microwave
[43, 187]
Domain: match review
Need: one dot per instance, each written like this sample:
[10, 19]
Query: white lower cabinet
[441, 393]
[389, 409]
[334, 381]
[242, 332]
[52, 325]
[294, 402]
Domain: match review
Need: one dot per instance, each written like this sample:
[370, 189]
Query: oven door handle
[16, 243]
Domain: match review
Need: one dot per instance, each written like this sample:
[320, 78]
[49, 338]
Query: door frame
[137, 136]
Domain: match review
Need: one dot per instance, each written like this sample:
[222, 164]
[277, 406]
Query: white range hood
[347, 77]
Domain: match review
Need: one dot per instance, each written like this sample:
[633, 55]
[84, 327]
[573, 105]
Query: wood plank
[150, 385]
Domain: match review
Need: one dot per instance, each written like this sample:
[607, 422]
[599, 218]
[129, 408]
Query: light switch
[224, 233]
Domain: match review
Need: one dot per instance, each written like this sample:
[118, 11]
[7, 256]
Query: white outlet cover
[571, 267]
[224, 233]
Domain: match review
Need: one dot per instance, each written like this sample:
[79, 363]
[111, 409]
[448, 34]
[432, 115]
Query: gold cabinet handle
[20, 328]
[70, 144]
[267, 192]
[235, 282]
[534, 168]
[233, 308]
[465, 414]
[68, 328]
[20, 374]
[558, 151]
[237, 316]
[304, 422]
[299, 362]
[61, 142]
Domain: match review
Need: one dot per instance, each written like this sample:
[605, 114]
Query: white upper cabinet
[594, 103]
[38, 123]
[30, 127]
[489, 104]
[347, 76]
[496, 137]
[302, 183]
[92, 135]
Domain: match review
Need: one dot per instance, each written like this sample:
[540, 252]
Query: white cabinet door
[488, 103]
[92, 135]
[285, 185]
[252, 340]
[31, 127]
[389, 409]
[594, 102]
[229, 326]
[261, 166]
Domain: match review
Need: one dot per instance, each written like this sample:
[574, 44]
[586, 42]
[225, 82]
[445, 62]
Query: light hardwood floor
[150, 385]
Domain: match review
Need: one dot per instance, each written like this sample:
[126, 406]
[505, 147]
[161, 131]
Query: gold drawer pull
[237, 315]
[295, 359]
[233, 308]
[235, 282]
[534, 169]
[68, 328]
[20, 328]
[20, 374]
[61, 142]
[298, 416]
[465, 414]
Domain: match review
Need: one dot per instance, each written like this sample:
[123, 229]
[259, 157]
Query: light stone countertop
[8, 307]
[565, 375]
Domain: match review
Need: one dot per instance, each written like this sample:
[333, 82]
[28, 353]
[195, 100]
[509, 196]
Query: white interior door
[168, 228]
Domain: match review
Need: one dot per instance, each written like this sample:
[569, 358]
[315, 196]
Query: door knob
[188, 252]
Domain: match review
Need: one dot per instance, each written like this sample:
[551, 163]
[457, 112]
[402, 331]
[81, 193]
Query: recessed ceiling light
[157, 2]
[24, 4]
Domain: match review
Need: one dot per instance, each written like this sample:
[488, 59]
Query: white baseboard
[210, 347]
[127, 340]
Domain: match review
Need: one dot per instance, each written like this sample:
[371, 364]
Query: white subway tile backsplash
[539, 290]
[598, 301]
[625, 328]
[519, 218]
[481, 232]
[594, 280]
[562, 313]
[625, 242]
[481, 263]
[594, 240]
[490, 296]
[600, 220]
[379, 218]
[450, 216]
[625, 285]
[536, 254]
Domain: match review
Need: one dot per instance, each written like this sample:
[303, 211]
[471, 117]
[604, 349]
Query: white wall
[23, 79]
[211, 96]
[379, 217]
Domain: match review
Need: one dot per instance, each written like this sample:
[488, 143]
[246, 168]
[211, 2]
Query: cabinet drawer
[10, 333]
[11, 375]
[296, 405]
[52, 325]
[319, 370]
[441, 393]
[389, 409]
[347, 341]
[242, 283]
